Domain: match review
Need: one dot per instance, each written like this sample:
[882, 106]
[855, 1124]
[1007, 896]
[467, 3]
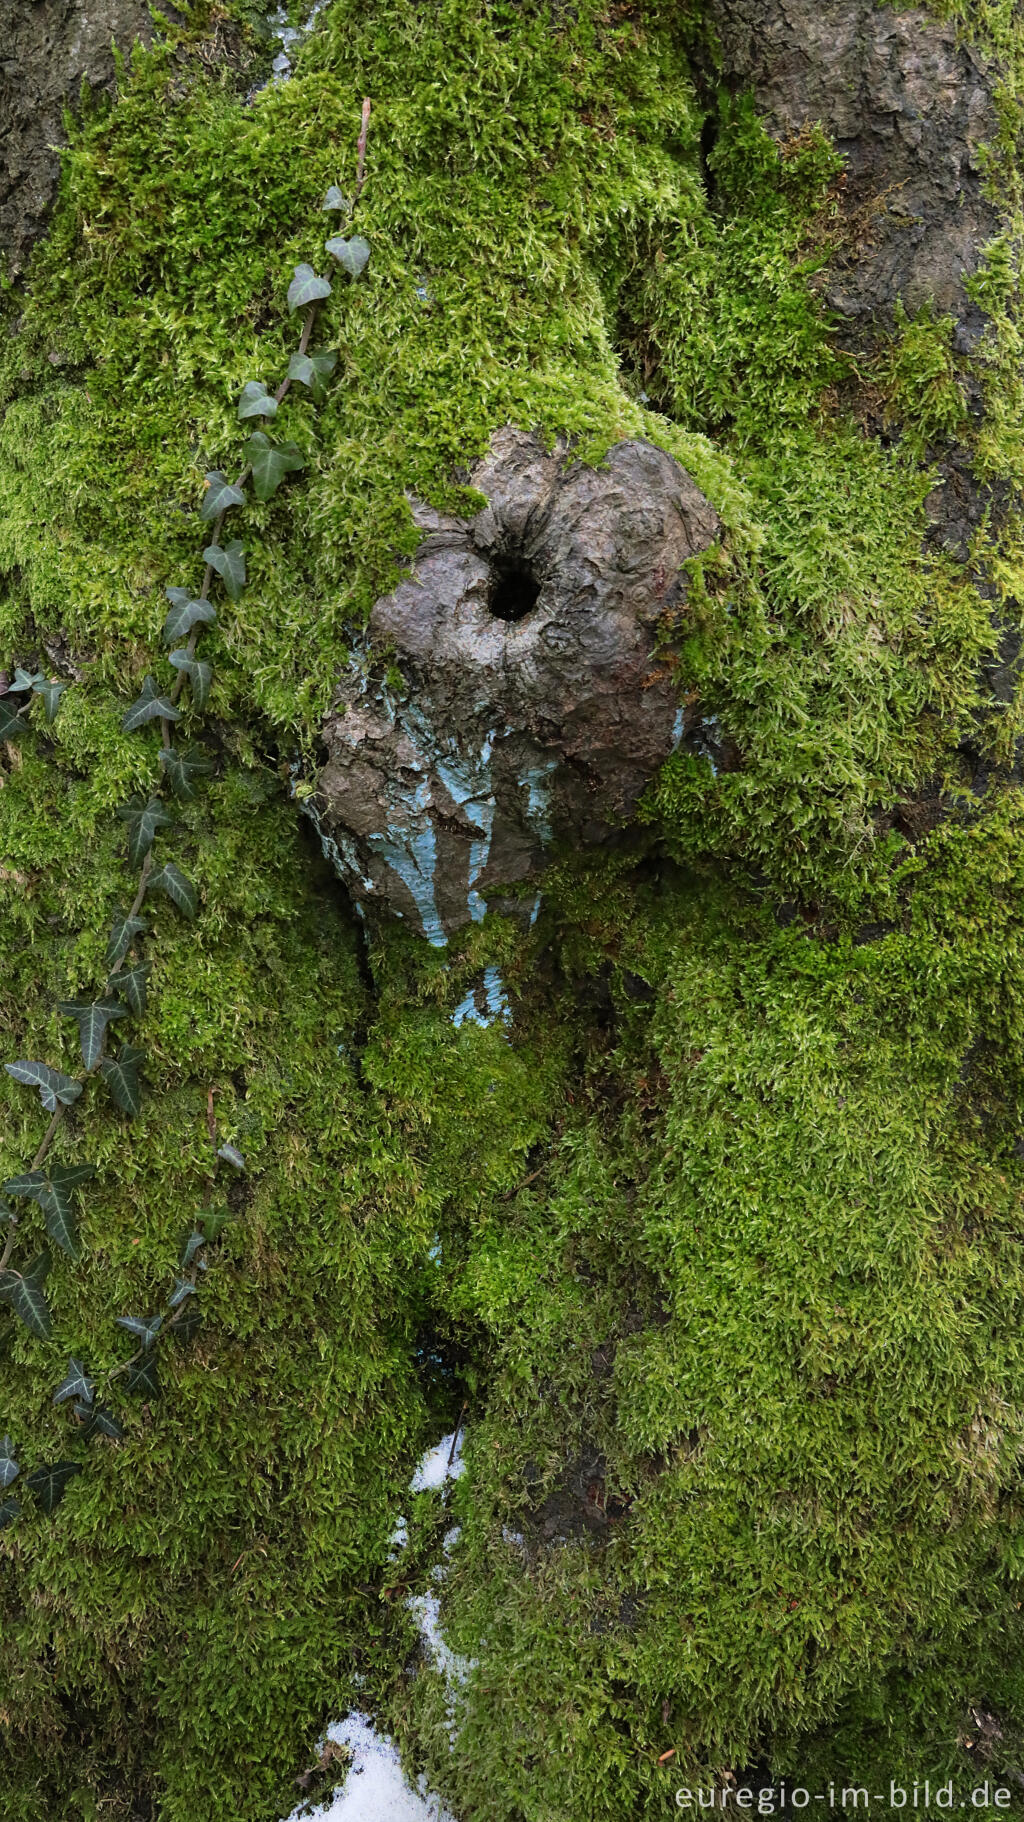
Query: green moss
[776, 1304]
[918, 376]
[728, 1219]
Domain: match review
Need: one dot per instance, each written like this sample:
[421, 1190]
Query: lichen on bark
[717, 1237]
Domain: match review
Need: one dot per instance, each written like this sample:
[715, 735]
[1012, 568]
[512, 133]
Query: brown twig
[532, 1178]
[455, 1438]
[361, 150]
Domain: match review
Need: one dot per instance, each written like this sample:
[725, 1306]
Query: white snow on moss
[436, 1467]
[376, 1788]
[289, 36]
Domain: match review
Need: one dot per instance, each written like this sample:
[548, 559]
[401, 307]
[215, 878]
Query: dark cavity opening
[514, 588]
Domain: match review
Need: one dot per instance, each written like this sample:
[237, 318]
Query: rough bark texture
[908, 105]
[536, 705]
[50, 48]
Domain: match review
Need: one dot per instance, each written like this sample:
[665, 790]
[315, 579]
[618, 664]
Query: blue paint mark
[494, 993]
[536, 783]
[414, 858]
[467, 1011]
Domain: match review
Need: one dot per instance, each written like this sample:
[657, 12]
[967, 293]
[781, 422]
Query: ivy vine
[108, 1054]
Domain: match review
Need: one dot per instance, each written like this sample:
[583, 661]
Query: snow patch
[442, 1462]
[376, 1788]
[291, 35]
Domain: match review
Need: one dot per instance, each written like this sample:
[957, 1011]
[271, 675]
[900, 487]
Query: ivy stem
[123, 1365]
[48, 1137]
[56, 1119]
[304, 340]
[147, 868]
[12, 1234]
[166, 739]
[193, 638]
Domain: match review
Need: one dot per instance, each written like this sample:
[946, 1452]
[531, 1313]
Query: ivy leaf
[143, 819]
[191, 1247]
[54, 1198]
[324, 361]
[24, 680]
[181, 768]
[24, 1292]
[232, 1155]
[51, 692]
[144, 1328]
[92, 1019]
[306, 288]
[179, 890]
[131, 986]
[182, 1289]
[121, 1074]
[9, 1469]
[142, 1377]
[335, 200]
[28, 1184]
[149, 706]
[188, 1322]
[185, 613]
[351, 255]
[312, 370]
[256, 401]
[53, 1193]
[270, 462]
[69, 1176]
[12, 726]
[50, 1483]
[214, 1220]
[6, 1211]
[98, 1420]
[52, 1085]
[60, 1222]
[9, 1510]
[229, 562]
[198, 672]
[123, 933]
[75, 1384]
[219, 496]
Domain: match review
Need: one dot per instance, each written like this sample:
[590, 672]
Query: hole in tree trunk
[514, 588]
